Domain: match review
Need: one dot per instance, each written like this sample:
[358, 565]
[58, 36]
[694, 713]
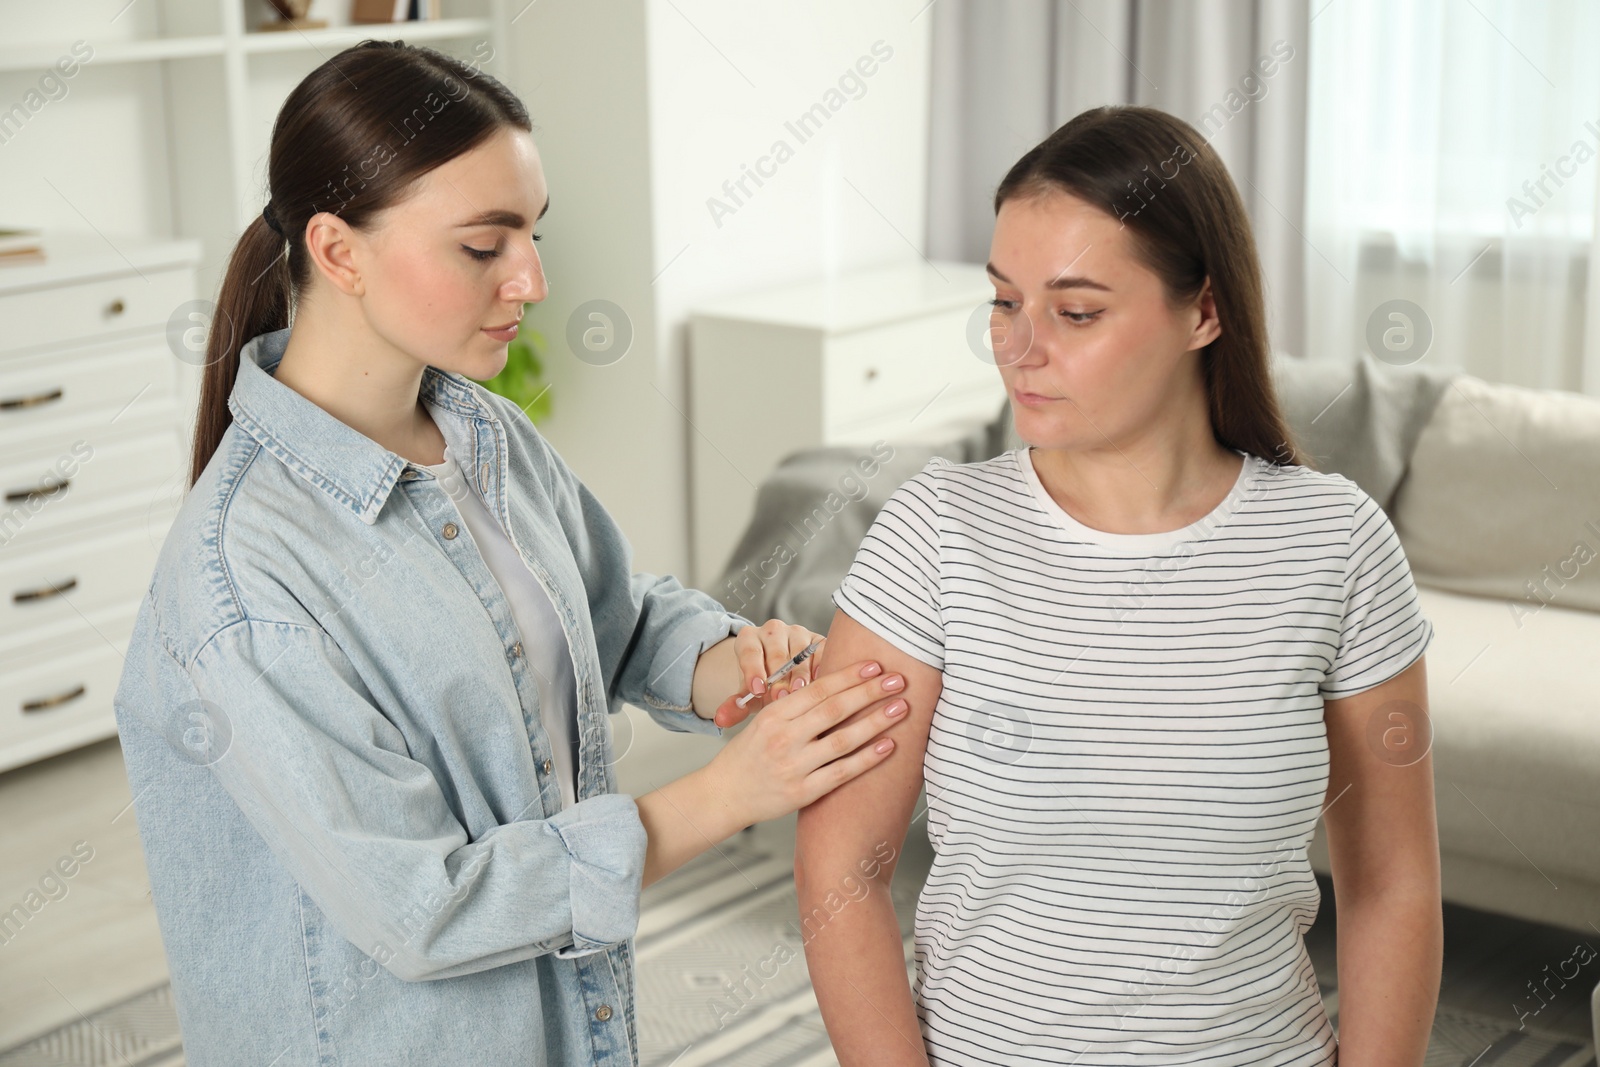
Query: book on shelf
[21, 245]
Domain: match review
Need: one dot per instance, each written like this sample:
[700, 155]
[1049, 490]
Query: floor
[95, 939]
[90, 957]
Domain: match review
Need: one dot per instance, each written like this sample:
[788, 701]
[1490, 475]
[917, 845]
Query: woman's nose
[1018, 341]
[528, 286]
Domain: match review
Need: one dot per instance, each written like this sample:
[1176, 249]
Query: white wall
[642, 114]
[643, 109]
[789, 143]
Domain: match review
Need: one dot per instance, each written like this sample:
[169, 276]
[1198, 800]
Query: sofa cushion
[1361, 419]
[1516, 725]
[1503, 496]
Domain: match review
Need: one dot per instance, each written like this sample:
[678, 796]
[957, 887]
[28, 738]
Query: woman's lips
[503, 333]
[1033, 400]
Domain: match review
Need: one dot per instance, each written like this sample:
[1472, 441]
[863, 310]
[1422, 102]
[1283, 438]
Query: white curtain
[1452, 164]
[1008, 72]
[1421, 176]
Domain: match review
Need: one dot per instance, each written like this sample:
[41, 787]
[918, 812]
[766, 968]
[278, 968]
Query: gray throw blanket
[812, 512]
[1361, 420]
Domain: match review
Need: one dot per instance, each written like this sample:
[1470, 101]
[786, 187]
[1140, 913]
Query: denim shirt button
[548, 766]
[450, 530]
[603, 1012]
[516, 649]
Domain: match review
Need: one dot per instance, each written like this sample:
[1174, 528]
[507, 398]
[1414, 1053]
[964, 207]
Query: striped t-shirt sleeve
[892, 587]
[1383, 630]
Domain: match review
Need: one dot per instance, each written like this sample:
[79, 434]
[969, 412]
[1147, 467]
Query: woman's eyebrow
[502, 217]
[1067, 281]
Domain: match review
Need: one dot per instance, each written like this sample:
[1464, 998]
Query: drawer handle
[116, 307]
[52, 702]
[35, 400]
[45, 491]
[46, 592]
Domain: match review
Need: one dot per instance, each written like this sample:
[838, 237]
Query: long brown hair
[331, 151]
[1155, 173]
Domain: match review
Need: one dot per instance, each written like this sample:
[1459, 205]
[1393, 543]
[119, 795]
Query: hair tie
[271, 219]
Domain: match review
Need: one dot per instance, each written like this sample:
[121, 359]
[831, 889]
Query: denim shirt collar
[336, 458]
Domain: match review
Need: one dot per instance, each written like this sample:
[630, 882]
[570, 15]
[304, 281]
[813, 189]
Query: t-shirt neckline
[1198, 530]
[442, 467]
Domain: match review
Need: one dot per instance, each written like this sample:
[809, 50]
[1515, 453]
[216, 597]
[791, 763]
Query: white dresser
[92, 470]
[894, 353]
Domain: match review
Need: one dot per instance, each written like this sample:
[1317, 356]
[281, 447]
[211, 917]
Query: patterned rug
[722, 983]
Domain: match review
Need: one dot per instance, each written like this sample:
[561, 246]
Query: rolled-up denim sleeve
[650, 630]
[327, 780]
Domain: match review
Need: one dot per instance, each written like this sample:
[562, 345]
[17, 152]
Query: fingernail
[883, 746]
[870, 669]
[894, 683]
[758, 686]
[799, 683]
[897, 708]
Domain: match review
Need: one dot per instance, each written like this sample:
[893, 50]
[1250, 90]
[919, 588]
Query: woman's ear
[1209, 326]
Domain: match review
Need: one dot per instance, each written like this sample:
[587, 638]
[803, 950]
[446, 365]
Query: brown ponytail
[1155, 173]
[350, 139]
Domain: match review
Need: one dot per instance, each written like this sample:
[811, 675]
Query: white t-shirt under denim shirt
[543, 641]
[1128, 758]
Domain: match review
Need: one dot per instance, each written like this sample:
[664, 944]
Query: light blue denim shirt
[356, 845]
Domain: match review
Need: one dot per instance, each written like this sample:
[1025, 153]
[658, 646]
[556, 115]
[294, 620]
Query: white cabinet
[161, 126]
[893, 353]
[92, 470]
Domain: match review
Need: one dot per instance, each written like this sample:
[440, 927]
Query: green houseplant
[522, 380]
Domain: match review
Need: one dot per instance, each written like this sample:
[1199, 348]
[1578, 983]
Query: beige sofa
[1499, 513]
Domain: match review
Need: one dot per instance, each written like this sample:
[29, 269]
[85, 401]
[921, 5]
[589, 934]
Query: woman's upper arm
[850, 824]
[1379, 814]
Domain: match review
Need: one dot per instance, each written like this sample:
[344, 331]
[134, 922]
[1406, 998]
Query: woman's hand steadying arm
[791, 753]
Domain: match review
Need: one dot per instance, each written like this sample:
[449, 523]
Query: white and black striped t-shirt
[1128, 759]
